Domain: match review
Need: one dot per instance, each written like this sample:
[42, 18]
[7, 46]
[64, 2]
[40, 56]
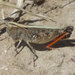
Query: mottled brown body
[36, 35]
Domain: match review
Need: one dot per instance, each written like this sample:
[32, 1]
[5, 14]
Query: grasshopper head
[69, 29]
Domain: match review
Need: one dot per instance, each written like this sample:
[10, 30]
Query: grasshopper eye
[69, 29]
[34, 36]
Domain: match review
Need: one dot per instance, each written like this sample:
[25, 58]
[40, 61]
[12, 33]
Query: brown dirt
[59, 61]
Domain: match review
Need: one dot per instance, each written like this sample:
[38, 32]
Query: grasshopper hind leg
[33, 51]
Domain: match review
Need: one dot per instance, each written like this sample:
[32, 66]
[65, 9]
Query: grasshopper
[39, 34]
[36, 34]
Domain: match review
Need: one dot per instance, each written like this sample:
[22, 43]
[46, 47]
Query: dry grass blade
[32, 26]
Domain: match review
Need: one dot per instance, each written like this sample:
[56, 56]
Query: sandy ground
[59, 61]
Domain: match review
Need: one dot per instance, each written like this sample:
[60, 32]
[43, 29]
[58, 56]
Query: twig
[67, 4]
[19, 4]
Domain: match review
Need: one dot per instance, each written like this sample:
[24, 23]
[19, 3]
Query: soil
[58, 61]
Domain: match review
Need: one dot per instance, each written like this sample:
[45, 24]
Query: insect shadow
[42, 47]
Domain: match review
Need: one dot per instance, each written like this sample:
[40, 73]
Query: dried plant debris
[18, 8]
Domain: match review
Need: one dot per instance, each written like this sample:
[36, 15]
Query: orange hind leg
[56, 40]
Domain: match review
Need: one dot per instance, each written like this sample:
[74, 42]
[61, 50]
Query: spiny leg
[33, 51]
